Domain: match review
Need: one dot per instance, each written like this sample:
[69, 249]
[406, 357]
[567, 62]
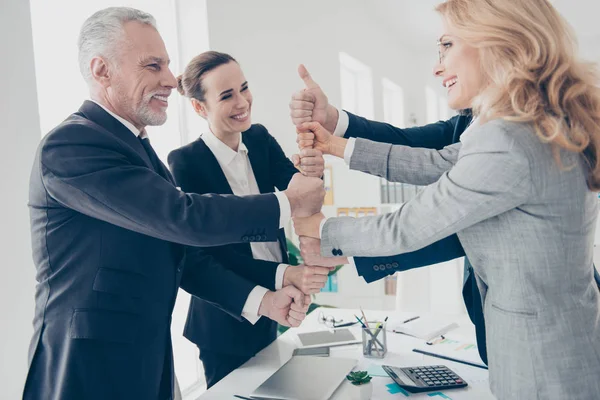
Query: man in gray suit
[109, 227]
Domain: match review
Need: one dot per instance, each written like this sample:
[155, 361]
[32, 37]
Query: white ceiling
[418, 25]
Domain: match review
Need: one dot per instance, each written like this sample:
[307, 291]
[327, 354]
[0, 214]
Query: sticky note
[393, 388]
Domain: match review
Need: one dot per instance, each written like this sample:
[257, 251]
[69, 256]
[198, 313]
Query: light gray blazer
[528, 229]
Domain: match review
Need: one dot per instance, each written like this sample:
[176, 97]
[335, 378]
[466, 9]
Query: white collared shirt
[127, 124]
[240, 176]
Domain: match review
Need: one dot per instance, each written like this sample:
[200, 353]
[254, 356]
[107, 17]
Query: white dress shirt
[240, 176]
[252, 305]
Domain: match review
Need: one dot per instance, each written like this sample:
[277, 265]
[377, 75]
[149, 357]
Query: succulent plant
[359, 377]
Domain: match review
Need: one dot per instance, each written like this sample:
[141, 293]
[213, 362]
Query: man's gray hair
[101, 34]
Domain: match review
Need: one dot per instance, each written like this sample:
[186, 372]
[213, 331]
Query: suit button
[395, 264]
[264, 237]
[340, 253]
[388, 266]
[375, 267]
[245, 238]
[252, 238]
[334, 252]
[382, 267]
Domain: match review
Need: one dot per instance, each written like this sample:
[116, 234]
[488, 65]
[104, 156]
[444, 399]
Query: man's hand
[311, 104]
[309, 226]
[306, 195]
[309, 279]
[287, 306]
[310, 250]
[310, 162]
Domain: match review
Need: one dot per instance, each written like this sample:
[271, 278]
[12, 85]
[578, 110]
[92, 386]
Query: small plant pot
[362, 392]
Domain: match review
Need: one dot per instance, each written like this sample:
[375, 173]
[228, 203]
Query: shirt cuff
[342, 124]
[285, 210]
[349, 150]
[279, 276]
[252, 305]
[351, 262]
[321, 227]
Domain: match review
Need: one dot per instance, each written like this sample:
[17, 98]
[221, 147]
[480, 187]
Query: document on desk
[425, 327]
[454, 347]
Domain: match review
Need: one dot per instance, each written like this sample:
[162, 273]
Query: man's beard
[146, 115]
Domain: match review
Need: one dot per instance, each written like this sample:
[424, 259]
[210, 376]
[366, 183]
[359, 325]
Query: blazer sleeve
[432, 136]
[84, 171]
[280, 167]
[205, 277]
[375, 268]
[185, 168]
[397, 163]
[491, 177]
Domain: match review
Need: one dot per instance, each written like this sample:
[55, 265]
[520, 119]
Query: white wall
[20, 136]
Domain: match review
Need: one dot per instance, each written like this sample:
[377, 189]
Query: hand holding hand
[310, 250]
[309, 226]
[309, 279]
[287, 306]
[310, 162]
[306, 195]
[311, 103]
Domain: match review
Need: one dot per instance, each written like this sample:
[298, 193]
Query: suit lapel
[259, 160]
[217, 182]
[96, 114]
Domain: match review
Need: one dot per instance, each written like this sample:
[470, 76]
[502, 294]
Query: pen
[365, 327]
[411, 319]
[450, 359]
[242, 397]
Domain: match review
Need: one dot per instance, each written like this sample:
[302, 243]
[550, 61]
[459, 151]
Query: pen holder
[374, 342]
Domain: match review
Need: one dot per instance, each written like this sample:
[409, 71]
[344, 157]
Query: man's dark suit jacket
[196, 170]
[433, 136]
[108, 227]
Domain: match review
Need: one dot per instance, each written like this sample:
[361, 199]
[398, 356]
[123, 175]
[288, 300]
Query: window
[393, 113]
[356, 86]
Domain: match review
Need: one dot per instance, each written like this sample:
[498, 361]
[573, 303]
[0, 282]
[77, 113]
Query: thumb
[296, 295]
[305, 75]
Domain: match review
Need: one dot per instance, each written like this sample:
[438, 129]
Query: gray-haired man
[109, 228]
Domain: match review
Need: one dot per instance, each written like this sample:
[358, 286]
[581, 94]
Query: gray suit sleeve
[396, 163]
[492, 176]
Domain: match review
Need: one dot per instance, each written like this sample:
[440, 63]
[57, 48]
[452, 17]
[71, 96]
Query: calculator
[425, 378]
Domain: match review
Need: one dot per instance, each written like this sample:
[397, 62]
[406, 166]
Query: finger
[310, 126]
[296, 160]
[304, 101]
[293, 322]
[298, 121]
[307, 301]
[316, 154]
[319, 270]
[299, 316]
[317, 280]
[301, 113]
[304, 136]
[305, 75]
[285, 322]
[305, 143]
[299, 308]
[310, 161]
[296, 295]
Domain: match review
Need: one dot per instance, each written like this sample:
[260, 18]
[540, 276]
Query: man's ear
[100, 71]
[200, 108]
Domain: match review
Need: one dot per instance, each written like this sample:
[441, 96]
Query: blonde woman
[518, 190]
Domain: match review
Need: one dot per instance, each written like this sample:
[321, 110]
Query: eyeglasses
[328, 320]
[442, 49]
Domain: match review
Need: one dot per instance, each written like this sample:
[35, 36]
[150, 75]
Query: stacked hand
[308, 278]
[287, 306]
[315, 119]
[306, 195]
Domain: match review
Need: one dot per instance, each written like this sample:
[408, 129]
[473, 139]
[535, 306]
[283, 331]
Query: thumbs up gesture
[311, 104]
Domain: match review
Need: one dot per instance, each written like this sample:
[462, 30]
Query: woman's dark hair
[189, 83]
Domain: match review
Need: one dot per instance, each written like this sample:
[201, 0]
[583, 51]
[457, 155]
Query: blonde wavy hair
[528, 55]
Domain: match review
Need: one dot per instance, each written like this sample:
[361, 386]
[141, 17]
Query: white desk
[249, 376]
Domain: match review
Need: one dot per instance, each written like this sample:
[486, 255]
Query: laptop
[306, 377]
